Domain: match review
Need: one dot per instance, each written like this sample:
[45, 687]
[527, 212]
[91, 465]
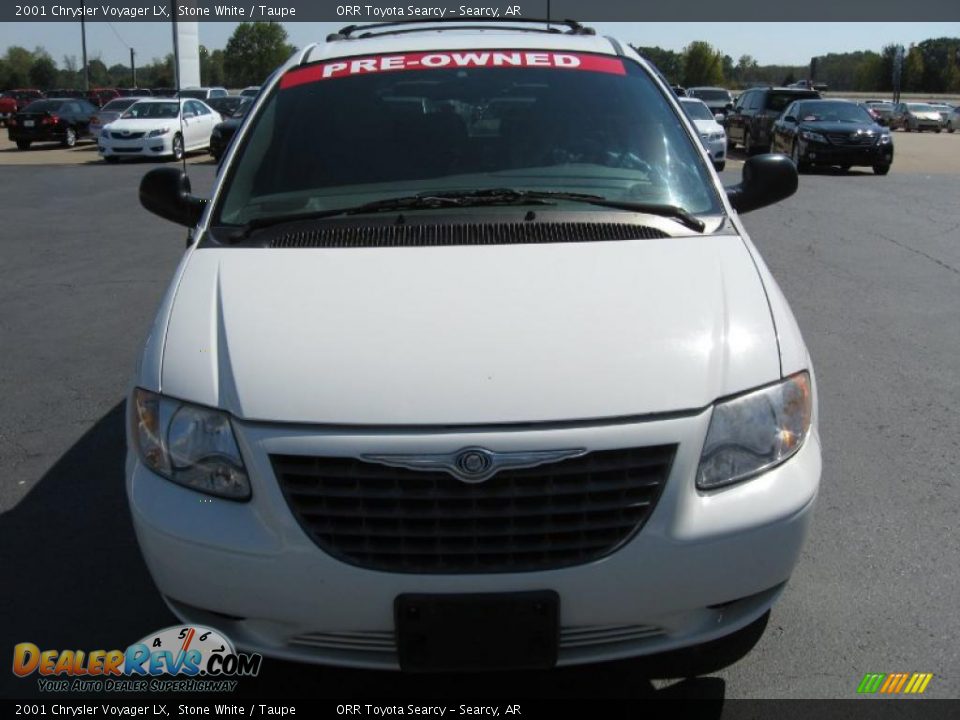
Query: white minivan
[492, 380]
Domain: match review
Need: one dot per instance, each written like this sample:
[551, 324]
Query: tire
[178, 147]
[70, 139]
[950, 129]
[845, 168]
[938, 130]
[747, 144]
[720, 166]
[23, 144]
[795, 156]
[881, 169]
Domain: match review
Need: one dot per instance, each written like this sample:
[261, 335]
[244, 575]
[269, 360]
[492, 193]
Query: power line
[122, 41]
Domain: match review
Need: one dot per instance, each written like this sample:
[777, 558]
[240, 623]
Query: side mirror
[720, 117]
[166, 192]
[790, 119]
[766, 179]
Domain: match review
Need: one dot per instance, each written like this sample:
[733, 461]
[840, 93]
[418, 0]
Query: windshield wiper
[474, 198]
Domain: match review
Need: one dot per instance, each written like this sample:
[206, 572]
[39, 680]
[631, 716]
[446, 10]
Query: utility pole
[83, 39]
[133, 70]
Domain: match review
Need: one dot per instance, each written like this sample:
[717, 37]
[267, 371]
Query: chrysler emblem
[475, 464]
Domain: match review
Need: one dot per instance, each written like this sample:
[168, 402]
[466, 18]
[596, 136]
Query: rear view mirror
[767, 179]
[166, 192]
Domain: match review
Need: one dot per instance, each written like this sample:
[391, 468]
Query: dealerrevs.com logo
[181, 658]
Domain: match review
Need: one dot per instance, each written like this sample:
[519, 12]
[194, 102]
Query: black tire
[720, 165]
[23, 144]
[950, 129]
[747, 144]
[938, 130]
[69, 138]
[178, 147]
[795, 156]
[845, 168]
[881, 169]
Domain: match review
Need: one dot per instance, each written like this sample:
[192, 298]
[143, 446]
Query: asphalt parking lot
[870, 265]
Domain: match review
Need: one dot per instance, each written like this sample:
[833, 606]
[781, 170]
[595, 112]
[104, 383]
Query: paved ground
[871, 266]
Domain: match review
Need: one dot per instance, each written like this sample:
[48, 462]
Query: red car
[13, 101]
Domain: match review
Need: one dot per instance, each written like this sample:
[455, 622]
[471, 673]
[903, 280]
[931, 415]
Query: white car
[109, 113]
[712, 134]
[470, 384]
[159, 128]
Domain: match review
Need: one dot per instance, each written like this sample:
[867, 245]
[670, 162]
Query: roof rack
[400, 27]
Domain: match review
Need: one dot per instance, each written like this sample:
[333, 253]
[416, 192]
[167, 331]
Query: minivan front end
[482, 372]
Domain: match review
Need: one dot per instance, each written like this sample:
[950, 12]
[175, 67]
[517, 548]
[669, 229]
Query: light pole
[83, 40]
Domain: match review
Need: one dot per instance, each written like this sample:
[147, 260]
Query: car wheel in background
[178, 147]
[70, 139]
[938, 129]
[795, 156]
[747, 144]
[23, 144]
[881, 169]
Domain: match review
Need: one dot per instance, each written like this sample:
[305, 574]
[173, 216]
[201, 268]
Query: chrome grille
[858, 139]
[126, 136]
[401, 520]
[384, 641]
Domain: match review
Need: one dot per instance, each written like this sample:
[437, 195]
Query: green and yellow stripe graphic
[895, 683]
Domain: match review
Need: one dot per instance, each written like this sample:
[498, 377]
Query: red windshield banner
[451, 59]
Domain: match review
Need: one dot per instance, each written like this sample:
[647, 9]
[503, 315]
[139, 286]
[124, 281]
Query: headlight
[191, 445]
[754, 432]
[812, 136]
[158, 132]
[719, 135]
[885, 138]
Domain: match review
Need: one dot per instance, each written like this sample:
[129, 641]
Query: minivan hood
[469, 334]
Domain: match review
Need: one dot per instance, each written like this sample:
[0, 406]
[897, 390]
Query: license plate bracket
[478, 631]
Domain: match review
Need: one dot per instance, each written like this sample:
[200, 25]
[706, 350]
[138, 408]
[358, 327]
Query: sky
[769, 43]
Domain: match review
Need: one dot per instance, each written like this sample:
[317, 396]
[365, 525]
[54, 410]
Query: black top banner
[366, 11]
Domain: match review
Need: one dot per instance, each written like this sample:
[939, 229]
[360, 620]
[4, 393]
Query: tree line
[253, 51]
[256, 49]
[932, 66]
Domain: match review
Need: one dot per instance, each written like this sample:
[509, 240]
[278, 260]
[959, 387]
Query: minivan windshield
[343, 133]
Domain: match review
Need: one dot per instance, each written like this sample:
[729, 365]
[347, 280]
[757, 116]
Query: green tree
[19, 60]
[702, 65]
[120, 75]
[43, 72]
[254, 51]
[746, 70]
[211, 67]
[668, 62]
[951, 76]
[913, 69]
[99, 75]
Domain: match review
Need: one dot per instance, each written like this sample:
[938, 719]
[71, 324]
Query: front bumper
[703, 566]
[824, 154]
[138, 147]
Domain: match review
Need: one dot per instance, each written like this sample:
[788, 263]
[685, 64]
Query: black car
[751, 120]
[59, 119]
[226, 106]
[223, 132]
[832, 132]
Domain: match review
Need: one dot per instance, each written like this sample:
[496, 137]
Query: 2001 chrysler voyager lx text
[477, 364]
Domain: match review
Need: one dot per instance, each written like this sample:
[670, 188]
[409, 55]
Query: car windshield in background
[832, 112]
[696, 110]
[344, 133]
[921, 107]
[119, 104]
[778, 101]
[142, 110]
[711, 95]
[196, 94]
[43, 106]
[226, 106]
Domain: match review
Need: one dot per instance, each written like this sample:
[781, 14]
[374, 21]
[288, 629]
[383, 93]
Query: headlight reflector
[754, 432]
[188, 444]
[158, 132]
